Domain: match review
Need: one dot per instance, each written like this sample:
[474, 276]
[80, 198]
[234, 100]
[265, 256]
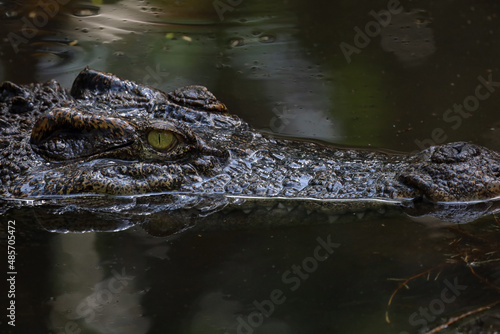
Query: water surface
[283, 67]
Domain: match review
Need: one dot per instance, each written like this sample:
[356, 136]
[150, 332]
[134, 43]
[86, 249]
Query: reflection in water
[277, 280]
[409, 37]
[271, 68]
[92, 294]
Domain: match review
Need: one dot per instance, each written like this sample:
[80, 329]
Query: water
[286, 67]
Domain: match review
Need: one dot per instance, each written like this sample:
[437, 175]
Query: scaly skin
[100, 137]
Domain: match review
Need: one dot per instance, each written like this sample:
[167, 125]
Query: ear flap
[90, 83]
[196, 97]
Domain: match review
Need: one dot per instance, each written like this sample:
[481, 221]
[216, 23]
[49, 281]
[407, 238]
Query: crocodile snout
[454, 172]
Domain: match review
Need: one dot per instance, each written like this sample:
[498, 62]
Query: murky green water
[295, 68]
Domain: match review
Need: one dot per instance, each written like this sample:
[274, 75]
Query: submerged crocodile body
[112, 136]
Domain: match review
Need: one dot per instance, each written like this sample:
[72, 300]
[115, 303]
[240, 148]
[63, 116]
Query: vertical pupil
[161, 140]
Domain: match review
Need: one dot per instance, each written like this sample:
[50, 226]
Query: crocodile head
[112, 136]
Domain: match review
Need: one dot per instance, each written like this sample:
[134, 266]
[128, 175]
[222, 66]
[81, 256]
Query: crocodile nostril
[454, 152]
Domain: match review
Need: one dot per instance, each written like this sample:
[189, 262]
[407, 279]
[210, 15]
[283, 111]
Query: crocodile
[108, 136]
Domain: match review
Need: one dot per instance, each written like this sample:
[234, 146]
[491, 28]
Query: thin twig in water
[460, 317]
[481, 278]
[404, 284]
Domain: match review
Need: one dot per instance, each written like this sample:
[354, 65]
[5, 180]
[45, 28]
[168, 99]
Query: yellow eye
[161, 140]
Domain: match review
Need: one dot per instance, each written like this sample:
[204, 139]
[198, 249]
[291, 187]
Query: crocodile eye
[161, 140]
[164, 141]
